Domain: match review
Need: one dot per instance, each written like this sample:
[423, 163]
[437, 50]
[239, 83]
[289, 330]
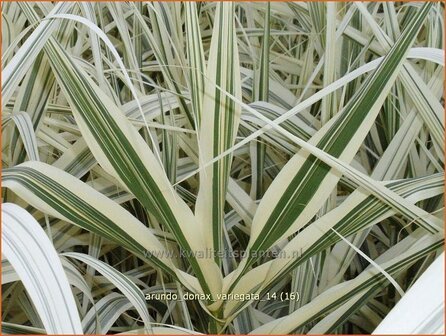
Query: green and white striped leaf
[414, 248]
[122, 282]
[356, 213]
[50, 190]
[25, 128]
[16, 69]
[98, 117]
[32, 255]
[219, 123]
[17, 329]
[287, 209]
[430, 109]
[195, 55]
[114, 102]
[108, 309]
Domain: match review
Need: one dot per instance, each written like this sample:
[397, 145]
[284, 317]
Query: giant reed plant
[279, 165]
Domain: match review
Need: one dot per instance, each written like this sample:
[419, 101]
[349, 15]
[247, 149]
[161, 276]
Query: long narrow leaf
[30, 252]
